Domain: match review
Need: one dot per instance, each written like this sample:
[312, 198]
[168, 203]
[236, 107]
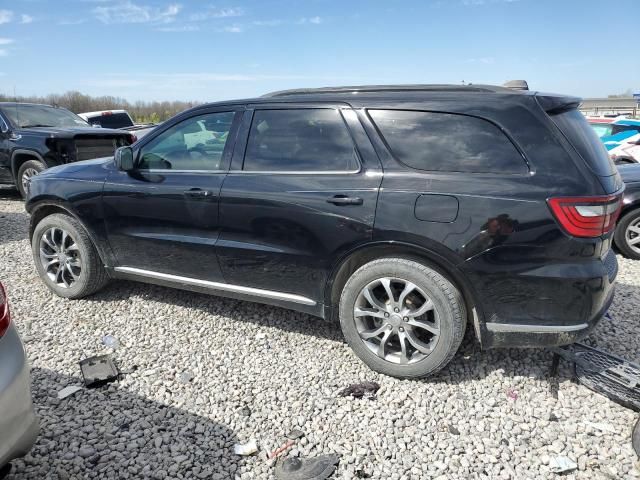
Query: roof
[628, 121]
[355, 89]
[18, 104]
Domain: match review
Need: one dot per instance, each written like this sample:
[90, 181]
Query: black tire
[27, 166]
[620, 237]
[92, 276]
[446, 299]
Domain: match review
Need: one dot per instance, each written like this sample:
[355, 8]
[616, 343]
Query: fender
[22, 151]
[448, 266]
[59, 205]
[630, 201]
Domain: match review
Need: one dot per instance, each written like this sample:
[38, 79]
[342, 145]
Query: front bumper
[18, 423]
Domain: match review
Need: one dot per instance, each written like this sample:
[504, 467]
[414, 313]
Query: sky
[223, 49]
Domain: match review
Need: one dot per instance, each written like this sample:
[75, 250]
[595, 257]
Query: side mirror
[124, 159]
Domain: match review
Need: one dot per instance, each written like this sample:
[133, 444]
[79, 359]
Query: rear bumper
[546, 306]
[18, 423]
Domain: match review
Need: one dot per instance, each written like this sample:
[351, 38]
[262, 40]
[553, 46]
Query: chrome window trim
[161, 170]
[297, 172]
[258, 292]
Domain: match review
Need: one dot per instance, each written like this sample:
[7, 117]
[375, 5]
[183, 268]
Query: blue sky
[211, 50]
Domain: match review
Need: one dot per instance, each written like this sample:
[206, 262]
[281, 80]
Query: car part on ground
[98, 371]
[317, 468]
[386, 231]
[18, 422]
[35, 137]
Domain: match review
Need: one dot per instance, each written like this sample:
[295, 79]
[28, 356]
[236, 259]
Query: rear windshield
[113, 120]
[585, 141]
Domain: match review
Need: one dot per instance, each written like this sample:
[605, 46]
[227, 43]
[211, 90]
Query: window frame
[247, 122]
[227, 152]
[529, 169]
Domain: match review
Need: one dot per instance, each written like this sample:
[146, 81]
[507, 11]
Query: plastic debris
[317, 468]
[98, 371]
[185, 377]
[562, 465]
[246, 449]
[279, 451]
[110, 341]
[512, 394]
[68, 391]
[295, 434]
[361, 390]
[603, 427]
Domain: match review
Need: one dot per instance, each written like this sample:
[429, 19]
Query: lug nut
[396, 310]
[386, 314]
[401, 329]
[405, 319]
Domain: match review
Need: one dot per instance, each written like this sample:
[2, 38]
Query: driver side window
[196, 143]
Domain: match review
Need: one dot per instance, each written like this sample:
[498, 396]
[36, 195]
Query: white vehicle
[628, 151]
[118, 119]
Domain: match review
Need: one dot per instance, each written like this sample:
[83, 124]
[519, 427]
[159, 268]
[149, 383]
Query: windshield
[42, 116]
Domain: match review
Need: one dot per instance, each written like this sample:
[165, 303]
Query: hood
[77, 170]
[630, 173]
[70, 132]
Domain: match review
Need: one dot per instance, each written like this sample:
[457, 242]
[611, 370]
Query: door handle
[344, 200]
[198, 192]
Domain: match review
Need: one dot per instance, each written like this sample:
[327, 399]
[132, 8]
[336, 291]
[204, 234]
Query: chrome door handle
[344, 200]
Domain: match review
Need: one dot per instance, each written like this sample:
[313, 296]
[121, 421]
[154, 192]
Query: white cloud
[212, 12]
[6, 41]
[4, 52]
[481, 60]
[5, 16]
[267, 23]
[72, 22]
[129, 12]
[233, 29]
[24, 19]
[179, 28]
[314, 20]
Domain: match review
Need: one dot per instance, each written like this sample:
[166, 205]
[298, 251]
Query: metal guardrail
[610, 106]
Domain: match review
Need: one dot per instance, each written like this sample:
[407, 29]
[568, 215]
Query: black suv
[34, 137]
[408, 212]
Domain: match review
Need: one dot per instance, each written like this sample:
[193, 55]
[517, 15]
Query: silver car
[18, 422]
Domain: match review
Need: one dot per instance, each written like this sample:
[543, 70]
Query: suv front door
[301, 193]
[162, 217]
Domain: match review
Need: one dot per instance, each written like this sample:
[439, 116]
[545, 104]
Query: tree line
[77, 102]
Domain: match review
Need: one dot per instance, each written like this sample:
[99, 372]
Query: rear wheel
[65, 257]
[27, 170]
[402, 318]
[627, 236]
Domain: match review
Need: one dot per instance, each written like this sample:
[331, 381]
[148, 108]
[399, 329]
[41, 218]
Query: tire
[448, 313]
[629, 220]
[26, 171]
[84, 271]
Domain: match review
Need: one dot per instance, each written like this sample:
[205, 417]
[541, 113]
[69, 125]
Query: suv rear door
[301, 192]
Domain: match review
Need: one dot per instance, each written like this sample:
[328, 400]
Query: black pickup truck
[35, 137]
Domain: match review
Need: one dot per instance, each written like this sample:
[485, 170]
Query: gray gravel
[213, 372]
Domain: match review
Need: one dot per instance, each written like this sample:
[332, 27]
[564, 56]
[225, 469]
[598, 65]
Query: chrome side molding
[507, 327]
[224, 287]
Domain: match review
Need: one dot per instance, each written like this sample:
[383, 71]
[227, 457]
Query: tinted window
[196, 143]
[624, 128]
[299, 140]
[114, 120]
[447, 142]
[25, 116]
[585, 140]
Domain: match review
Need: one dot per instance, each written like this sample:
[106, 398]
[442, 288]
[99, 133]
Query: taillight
[587, 216]
[5, 316]
[133, 138]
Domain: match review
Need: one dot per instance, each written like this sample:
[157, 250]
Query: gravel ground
[213, 372]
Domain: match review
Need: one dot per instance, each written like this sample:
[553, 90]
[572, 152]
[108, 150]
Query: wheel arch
[20, 156]
[366, 253]
[49, 207]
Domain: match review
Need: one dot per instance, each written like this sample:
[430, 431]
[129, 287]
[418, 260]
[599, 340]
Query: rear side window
[114, 120]
[445, 142]
[585, 140]
[300, 140]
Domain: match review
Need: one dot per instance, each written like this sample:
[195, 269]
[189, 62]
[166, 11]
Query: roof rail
[382, 88]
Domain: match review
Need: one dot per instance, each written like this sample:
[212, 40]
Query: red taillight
[5, 316]
[133, 138]
[587, 216]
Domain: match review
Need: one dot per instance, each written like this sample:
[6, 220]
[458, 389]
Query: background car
[18, 422]
[118, 119]
[620, 131]
[627, 152]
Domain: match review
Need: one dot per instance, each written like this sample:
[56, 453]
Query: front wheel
[627, 235]
[27, 170]
[65, 257]
[402, 318]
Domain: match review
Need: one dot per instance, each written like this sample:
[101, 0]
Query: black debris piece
[361, 390]
[98, 371]
[553, 417]
[453, 430]
[317, 468]
[362, 474]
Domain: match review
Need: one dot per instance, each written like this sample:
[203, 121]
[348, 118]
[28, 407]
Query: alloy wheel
[396, 320]
[632, 235]
[26, 178]
[60, 257]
